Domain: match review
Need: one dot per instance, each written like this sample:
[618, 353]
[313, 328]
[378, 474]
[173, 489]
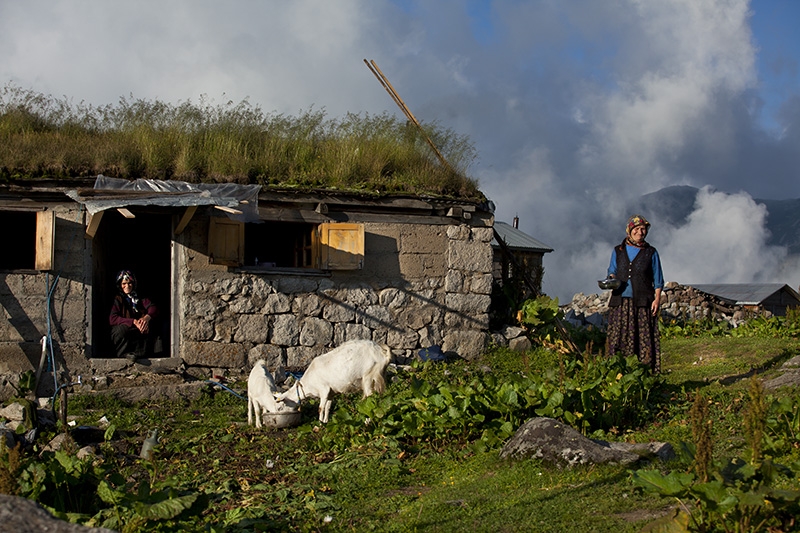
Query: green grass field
[234, 477]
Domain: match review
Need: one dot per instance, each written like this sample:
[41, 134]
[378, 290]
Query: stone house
[238, 273]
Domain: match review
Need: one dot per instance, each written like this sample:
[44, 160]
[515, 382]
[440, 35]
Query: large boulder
[790, 376]
[556, 443]
[25, 516]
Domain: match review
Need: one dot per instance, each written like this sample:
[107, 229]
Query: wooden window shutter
[45, 231]
[226, 242]
[341, 246]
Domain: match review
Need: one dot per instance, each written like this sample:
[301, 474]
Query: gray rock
[20, 413]
[520, 344]
[790, 378]
[512, 332]
[499, 339]
[14, 411]
[316, 332]
[86, 451]
[467, 344]
[56, 443]
[662, 451]
[556, 443]
[25, 516]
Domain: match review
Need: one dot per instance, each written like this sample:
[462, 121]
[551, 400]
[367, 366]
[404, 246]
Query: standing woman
[130, 319]
[634, 305]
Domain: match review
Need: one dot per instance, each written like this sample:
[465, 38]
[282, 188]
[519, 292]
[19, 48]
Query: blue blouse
[633, 251]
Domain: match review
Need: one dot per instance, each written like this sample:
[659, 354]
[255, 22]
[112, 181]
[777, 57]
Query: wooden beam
[228, 209]
[94, 223]
[125, 212]
[184, 221]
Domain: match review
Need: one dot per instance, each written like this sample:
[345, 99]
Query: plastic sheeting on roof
[172, 193]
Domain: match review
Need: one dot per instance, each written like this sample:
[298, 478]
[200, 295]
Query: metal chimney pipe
[515, 222]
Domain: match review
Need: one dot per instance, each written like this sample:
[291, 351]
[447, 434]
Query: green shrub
[93, 492]
[729, 494]
[483, 410]
[759, 326]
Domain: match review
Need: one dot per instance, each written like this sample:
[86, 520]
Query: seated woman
[130, 318]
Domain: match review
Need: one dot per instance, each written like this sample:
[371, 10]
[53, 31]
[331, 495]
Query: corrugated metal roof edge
[521, 240]
[775, 286]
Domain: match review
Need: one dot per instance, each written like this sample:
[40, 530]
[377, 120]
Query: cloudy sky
[575, 107]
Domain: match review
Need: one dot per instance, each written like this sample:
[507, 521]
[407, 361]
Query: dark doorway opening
[142, 245]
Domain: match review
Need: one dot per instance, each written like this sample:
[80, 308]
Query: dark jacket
[123, 313]
[638, 272]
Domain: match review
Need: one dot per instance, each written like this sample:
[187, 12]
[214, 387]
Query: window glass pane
[279, 244]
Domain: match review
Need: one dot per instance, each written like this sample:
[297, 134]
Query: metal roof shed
[773, 297]
[518, 240]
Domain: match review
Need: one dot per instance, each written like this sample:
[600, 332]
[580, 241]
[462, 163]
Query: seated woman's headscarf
[633, 222]
[133, 298]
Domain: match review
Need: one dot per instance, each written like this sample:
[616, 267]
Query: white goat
[342, 369]
[261, 391]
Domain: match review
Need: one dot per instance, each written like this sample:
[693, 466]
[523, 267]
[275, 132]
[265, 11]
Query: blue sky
[775, 30]
[575, 107]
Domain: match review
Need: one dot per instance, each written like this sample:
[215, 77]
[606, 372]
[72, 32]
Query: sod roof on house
[42, 137]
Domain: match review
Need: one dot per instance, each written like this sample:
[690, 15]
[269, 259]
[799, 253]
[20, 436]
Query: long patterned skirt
[634, 331]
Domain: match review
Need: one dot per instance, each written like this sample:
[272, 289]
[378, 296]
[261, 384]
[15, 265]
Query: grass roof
[46, 137]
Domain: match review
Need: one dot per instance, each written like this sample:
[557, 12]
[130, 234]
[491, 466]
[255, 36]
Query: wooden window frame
[329, 246]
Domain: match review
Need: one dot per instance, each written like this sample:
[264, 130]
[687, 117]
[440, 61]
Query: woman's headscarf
[633, 222]
[133, 298]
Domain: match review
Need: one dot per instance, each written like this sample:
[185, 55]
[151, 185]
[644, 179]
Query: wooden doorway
[143, 245]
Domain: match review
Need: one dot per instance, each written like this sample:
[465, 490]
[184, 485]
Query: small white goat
[261, 391]
[343, 369]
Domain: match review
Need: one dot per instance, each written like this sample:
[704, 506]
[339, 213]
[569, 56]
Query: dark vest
[638, 272]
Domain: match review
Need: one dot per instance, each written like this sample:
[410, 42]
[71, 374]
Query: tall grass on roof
[46, 137]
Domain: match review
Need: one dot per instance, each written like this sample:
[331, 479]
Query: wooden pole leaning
[384, 81]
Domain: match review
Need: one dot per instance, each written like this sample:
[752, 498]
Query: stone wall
[24, 300]
[681, 302]
[421, 285]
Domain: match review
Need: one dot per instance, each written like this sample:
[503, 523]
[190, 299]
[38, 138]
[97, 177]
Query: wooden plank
[94, 223]
[45, 232]
[21, 205]
[266, 197]
[288, 214]
[184, 221]
[228, 209]
[125, 212]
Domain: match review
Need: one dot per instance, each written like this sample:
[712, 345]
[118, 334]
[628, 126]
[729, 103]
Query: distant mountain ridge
[673, 205]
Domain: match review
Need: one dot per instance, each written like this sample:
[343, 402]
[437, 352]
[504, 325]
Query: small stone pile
[513, 337]
[678, 301]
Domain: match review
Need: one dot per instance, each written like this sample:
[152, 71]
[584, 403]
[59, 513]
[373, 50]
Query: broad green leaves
[595, 394]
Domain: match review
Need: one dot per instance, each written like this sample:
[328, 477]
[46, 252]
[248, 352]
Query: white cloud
[575, 107]
[722, 242]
